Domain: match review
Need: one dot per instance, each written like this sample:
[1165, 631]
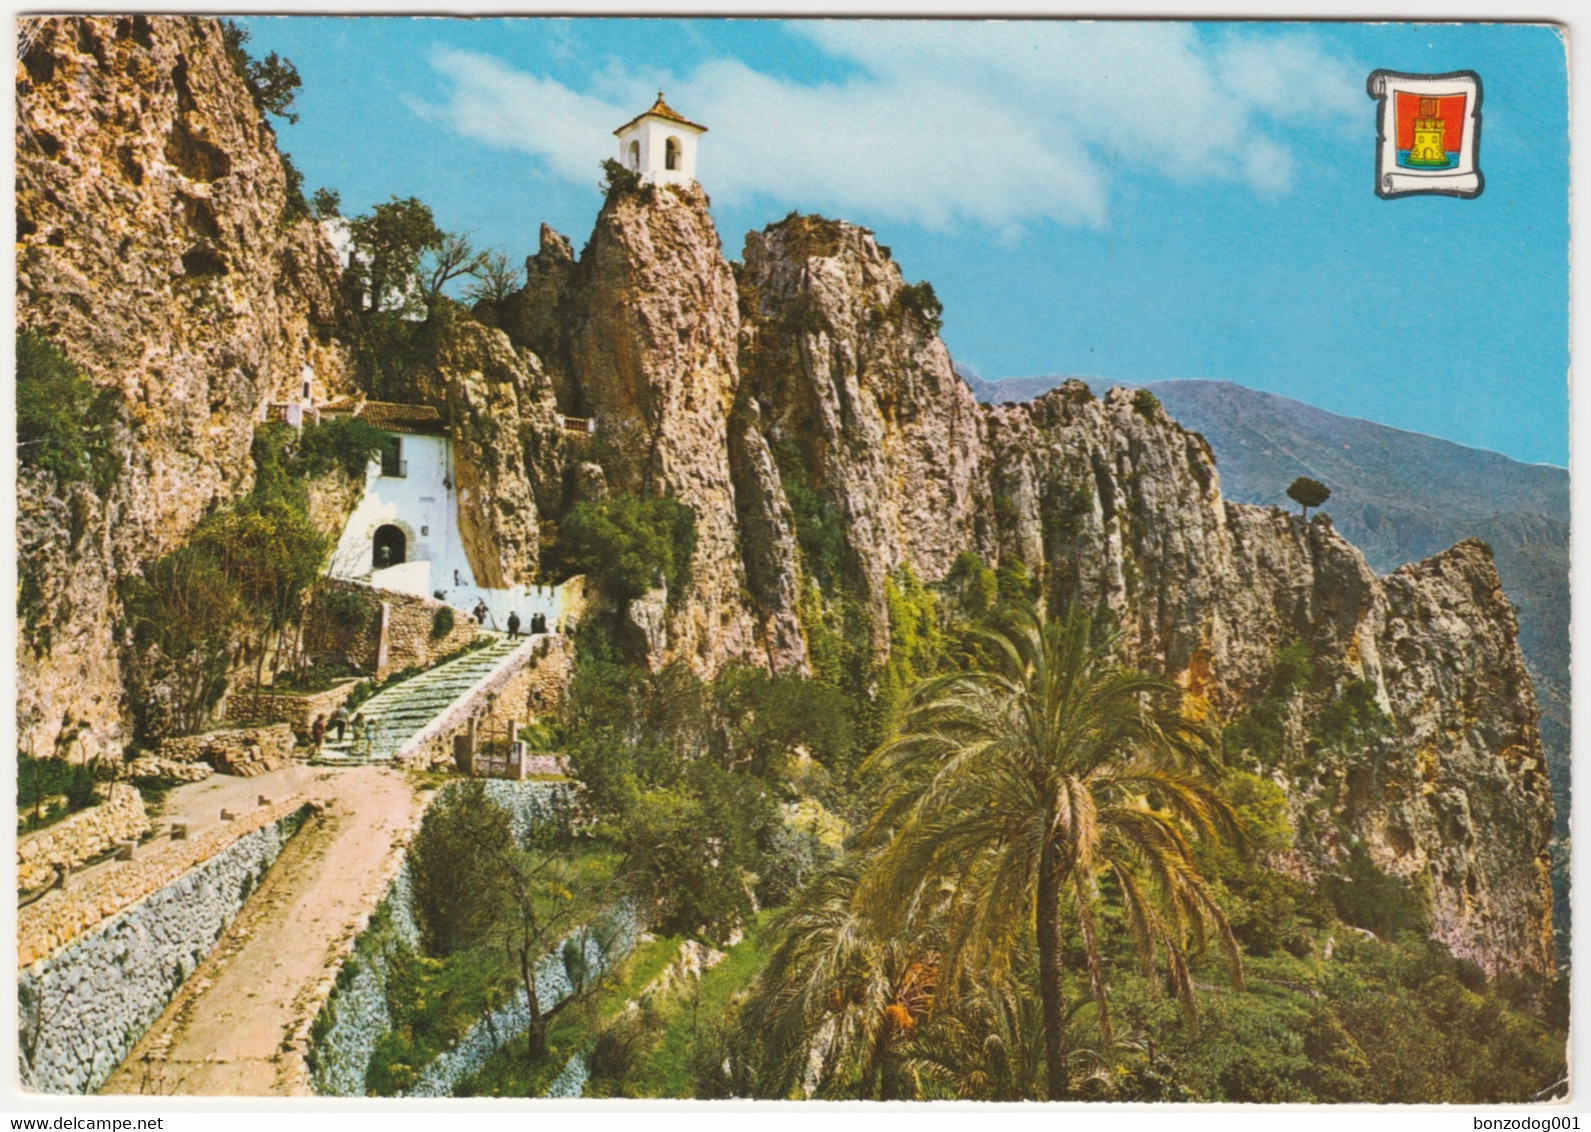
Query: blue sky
[1121, 200]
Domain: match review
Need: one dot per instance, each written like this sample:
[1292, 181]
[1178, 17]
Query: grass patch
[688, 1014]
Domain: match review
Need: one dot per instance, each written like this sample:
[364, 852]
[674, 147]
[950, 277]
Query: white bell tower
[660, 145]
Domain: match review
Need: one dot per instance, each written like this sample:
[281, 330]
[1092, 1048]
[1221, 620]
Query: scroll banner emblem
[1428, 134]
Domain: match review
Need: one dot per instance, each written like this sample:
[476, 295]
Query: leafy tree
[495, 279]
[273, 81]
[1308, 493]
[544, 901]
[629, 545]
[450, 258]
[1016, 790]
[326, 203]
[454, 864]
[389, 242]
[690, 849]
[63, 423]
[767, 718]
[182, 611]
[272, 552]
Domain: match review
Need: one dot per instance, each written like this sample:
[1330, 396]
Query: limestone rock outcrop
[1124, 508]
[653, 352]
[855, 386]
[154, 248]
[507, 448]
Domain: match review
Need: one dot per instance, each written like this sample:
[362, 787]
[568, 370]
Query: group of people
[538, 621]
[538, 625]
[362, 728]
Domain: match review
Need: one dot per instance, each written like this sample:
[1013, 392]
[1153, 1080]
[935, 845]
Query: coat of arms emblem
[1428, 140]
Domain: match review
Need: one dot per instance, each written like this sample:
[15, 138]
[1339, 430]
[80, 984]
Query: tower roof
[661, 109]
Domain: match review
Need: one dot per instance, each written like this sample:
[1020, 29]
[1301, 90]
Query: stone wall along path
[229, 1029]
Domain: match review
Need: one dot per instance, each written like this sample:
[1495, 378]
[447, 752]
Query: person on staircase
[513, 626]
[339, 720]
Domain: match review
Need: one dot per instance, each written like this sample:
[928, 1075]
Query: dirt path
[224, 1032]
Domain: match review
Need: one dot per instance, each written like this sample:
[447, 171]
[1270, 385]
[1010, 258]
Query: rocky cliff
[1444, 780]
[153, 247]
[810, 377]
[856, 389]
[507, 448]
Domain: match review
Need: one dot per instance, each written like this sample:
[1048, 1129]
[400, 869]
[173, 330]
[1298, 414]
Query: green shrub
[629, 545]
[1145, 403]
[919, 299]
[442, 622]
[616, 179]
[63, 423]
[346, 609]
[347, 443]
[976, 586]
[1352, 718]
[1368, 898]
[1015, 582]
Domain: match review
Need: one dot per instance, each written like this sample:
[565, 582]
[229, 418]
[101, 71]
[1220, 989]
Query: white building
[403, 535]
[660, 145]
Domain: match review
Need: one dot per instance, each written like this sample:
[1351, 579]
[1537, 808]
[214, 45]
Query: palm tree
[989, 1046]
[1011, 793]
[838, 998]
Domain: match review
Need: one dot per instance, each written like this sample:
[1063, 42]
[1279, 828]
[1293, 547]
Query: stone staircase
[398, 714]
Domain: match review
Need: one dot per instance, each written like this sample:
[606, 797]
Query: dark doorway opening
[390, 545]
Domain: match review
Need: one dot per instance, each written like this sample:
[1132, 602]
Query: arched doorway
[671, 153]
[389, 546]
[635, 157]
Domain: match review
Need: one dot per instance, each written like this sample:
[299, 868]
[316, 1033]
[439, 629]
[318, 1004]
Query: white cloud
[953, 122]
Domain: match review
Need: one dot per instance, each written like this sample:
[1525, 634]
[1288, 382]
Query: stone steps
[399, 713]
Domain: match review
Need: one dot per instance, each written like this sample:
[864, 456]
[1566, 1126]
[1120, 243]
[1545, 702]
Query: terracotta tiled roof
[339, 405]
[394, 417]
[661, 109]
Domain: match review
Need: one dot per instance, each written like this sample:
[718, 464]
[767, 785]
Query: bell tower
[660, 145]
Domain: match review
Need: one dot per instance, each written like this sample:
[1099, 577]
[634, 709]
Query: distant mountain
[1398, 496]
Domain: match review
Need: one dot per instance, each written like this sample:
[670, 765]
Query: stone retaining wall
[396, 633]
[273, 741]
[409, 643]
[82, 1008]
[600, 948]
[81, 837]
[60, 916]
[295, 710]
